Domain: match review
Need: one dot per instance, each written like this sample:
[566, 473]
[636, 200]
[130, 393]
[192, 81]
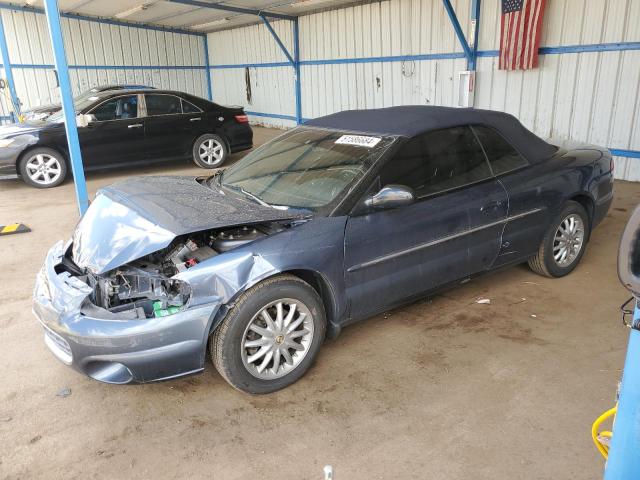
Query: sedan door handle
[135, 125]
[197, 119]
[491, 206]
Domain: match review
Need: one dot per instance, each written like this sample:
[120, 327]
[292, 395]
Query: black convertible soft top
[409, 121]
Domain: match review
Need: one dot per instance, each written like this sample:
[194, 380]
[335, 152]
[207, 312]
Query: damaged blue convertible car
[335, 221]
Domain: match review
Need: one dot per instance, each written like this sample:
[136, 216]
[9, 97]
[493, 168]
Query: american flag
[520, 27]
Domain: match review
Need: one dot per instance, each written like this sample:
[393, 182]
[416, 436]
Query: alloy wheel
[43, 169]
[277, 339]
[211, 151]
[568, 240]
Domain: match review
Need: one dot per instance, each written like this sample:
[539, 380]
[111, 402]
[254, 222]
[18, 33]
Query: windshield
[305, 168]
[79, 104]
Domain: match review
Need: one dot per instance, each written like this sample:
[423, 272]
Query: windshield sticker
[358, 140]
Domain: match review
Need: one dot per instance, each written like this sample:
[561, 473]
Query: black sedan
[335, 221]
[125, 128]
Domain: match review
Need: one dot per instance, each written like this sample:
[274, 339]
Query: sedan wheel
[277, 339]
[209, 151]
[564, 242]
[270, 336]
[43, 168]
[568, 240]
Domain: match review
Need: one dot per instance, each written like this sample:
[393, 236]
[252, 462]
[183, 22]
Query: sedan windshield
[305, 168]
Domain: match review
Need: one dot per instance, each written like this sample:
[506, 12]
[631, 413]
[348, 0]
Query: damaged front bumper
[112, 349]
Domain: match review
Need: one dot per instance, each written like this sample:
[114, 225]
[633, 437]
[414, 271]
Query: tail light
[242, 118]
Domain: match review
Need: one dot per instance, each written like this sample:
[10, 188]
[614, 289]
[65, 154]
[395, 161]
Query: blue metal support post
[207, 66]
[458, 30]
[6, 63]
[68, 109]
[475, 32]
[624, 455]
[296, 59]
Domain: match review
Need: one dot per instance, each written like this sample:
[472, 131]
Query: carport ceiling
[175, 14]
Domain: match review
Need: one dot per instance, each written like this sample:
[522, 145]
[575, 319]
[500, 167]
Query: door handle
[491, 206]
[197, 119]
[135, 125]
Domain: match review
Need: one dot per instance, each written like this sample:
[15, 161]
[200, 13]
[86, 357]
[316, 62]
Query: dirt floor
[443, 389]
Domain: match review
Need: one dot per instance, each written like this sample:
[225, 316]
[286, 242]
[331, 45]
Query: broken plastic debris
[65, 392]
[534, 316]
[484, 301]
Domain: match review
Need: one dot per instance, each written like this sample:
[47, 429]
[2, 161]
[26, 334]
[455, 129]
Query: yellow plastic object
[596, 435]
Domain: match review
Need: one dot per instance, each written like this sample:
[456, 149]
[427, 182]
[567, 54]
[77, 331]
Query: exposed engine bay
[145, 288]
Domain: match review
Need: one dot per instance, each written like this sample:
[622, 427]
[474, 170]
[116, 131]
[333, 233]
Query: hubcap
[211, 152]
[43, 169]
[277, 339]
[568, 240]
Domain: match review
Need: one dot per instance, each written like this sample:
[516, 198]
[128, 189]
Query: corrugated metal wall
[347, 58]
[272, 87]
[99, 53]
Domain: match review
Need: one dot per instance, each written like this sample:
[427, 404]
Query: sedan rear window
[306, 167]
[162, 105]
[502, 156]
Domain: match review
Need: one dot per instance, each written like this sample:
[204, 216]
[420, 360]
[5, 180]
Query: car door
[394, 255]
[116, 135]
[172, 125]
[528, 215]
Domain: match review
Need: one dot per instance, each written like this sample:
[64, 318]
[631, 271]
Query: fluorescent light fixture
[308, 3]
[221, 21]
[133, 11]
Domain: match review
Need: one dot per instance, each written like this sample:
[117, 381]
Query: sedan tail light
[242, 118]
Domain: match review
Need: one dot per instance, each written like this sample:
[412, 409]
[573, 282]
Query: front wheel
[42, 168]
[271, 335]
[564, 243]
[210, 151]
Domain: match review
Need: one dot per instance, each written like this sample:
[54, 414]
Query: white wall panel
[98, 45]
[588, 96]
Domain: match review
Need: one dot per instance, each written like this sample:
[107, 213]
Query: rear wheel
[210, 151]
[564, 243]
[271, 336]
[42, 168]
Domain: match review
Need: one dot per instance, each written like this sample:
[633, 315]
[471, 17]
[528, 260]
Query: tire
[210, 151]
[42, 167]
[231, 343]
[545, 261]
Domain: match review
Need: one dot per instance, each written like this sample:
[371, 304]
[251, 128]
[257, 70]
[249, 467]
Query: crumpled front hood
[139, 216]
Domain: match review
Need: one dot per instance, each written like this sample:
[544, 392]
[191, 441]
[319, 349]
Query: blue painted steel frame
[277, 39]
[457, 29]
[624, 461]
[207, 66]
[75, 156]
[6, 62]
[230, 8]
[475, 22]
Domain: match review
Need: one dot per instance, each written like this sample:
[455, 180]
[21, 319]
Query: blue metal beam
[456, 27]
[208, 67]
[229, 8]
[475, 25]
[296, 66]
[68, 109]
[6, 62]
[277, 39]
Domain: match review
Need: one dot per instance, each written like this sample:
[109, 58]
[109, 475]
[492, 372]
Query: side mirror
[391, 196]
[85, 120]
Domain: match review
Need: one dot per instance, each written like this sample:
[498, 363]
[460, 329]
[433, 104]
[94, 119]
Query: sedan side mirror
[83, 120]
[391, 196]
